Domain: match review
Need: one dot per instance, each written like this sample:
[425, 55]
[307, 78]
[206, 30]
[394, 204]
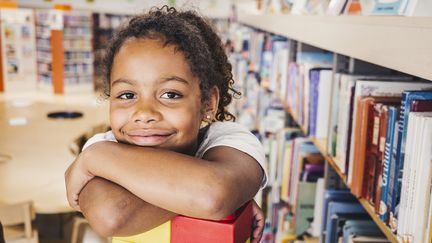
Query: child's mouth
[149, 138]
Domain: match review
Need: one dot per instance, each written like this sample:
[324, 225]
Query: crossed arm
[156, 183]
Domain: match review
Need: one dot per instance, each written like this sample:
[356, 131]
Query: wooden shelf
[400, 43]
[321, 144]
[386, 230]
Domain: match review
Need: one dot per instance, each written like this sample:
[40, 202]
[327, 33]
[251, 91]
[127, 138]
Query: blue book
[341, 211]
[387, 162]
[392, 7]
[333, 196]
[359, 227]
[407, 99]
[313, 100]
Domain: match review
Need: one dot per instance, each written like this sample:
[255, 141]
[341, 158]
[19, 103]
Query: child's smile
[149, 137]
[155, 100]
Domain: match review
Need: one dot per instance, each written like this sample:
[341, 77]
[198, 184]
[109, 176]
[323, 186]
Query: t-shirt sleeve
[99, 137]
[235, 136]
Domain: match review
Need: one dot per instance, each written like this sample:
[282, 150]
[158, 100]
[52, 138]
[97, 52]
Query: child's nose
[146, 113]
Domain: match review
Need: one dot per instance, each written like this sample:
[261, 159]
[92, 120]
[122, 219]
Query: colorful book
[383, 123]
[391, 86]
[389, 160]
[364, 162]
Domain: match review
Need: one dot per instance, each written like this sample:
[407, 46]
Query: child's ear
[212, 105]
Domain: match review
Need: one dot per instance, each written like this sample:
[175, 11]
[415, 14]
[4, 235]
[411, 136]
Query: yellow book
[160, 234]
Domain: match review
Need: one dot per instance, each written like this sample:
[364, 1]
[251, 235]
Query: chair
[82, 232]
[17, 223]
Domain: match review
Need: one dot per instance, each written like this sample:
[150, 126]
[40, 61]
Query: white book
[323, 108]
[316, 225]
[347, 83]
[418, 8]
[422, 176]
[273, 151]
[404, 207]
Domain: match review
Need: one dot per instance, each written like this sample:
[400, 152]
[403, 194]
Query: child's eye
[126, 96]
[171, 95]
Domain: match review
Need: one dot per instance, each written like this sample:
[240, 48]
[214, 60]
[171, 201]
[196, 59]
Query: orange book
[360, 144]
[364, 160]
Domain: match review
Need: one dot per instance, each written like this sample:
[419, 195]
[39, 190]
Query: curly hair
[195, 38]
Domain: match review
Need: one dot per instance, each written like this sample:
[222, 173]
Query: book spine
[372, 156]
[388, 150]
[313, 96]
[383, 116]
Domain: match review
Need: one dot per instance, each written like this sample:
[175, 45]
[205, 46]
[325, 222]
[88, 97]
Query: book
[316, 225]
[359, 227]
[305, 204]
[417, 179]
[383, 126]
[334, 113]
[421, 105]
[367, 239]
[371, 162]
[385, 7]
[364, 163]
[338, 211]
[237, 228]
[396, 170]
[319, 104]
[418, 8]
[391, 86]
[389, 159]
[332, 196]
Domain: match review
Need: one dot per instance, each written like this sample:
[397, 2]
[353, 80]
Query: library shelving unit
[104, 26]
[398, 43]
[17, 49]
[64, 50]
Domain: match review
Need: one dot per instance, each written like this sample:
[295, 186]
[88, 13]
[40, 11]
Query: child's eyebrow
[174, 78]
[120, 80]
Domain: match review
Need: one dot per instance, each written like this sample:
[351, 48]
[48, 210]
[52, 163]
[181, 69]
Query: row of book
[345, 7]
[362, 113]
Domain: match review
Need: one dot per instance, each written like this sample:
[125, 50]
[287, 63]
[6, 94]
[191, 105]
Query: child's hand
[258, 223]
[76, 177]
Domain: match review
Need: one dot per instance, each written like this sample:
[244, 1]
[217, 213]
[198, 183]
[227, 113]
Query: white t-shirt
[226, 133]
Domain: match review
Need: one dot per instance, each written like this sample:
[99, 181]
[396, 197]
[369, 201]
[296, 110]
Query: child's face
[154, 99]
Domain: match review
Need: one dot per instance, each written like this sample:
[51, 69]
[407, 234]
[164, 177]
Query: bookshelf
[400, 43]
[397, 43]
[64, 51]
[321, 145]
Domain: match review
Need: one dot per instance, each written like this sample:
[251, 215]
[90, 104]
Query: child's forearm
[111, 210]
[210, 188]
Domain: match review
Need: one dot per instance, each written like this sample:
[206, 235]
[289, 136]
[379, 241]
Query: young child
[167, 75]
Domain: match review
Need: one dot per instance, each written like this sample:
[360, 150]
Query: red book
[383, 117]
[237, 228]
[421, 105]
